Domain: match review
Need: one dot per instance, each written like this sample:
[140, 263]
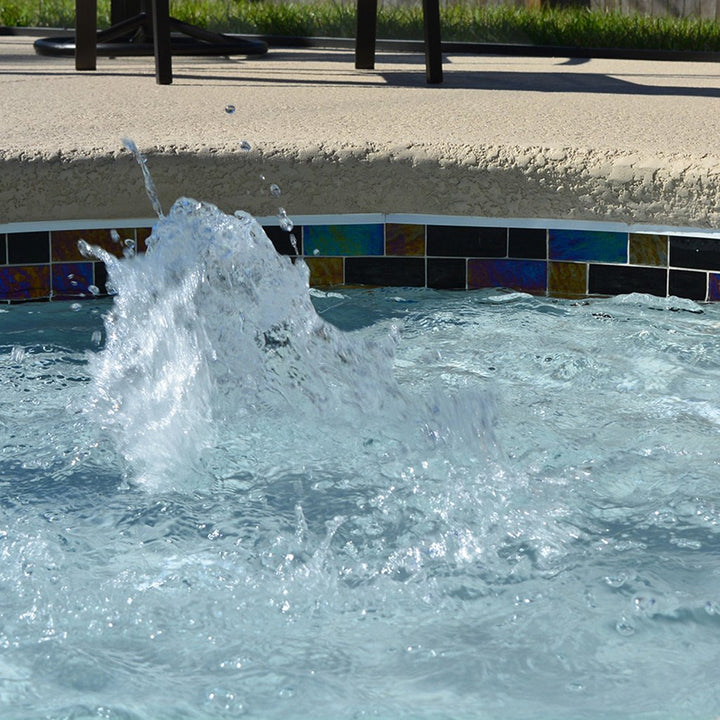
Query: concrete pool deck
[599, 139]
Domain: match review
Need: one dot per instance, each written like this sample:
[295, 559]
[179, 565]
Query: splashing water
[147, 177]
[219, 504]
[213, 339]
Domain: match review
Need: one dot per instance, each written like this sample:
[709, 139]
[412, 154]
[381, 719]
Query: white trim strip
[380, 218]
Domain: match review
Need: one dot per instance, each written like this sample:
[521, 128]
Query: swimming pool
[225, 495]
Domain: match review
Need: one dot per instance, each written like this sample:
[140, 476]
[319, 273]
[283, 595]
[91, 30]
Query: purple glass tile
[404, 239]
[341, 240]
[588, 246]
[19, 282]
[526, 275]
[72, 279]
[714, 286]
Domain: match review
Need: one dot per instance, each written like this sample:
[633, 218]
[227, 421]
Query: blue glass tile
[527, 275]
[72, 279]
[334, 240]
[588, 246]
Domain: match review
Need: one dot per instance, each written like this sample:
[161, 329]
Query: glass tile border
[554, 257]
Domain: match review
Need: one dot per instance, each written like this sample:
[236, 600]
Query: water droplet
[75, 307]
[17, 354]
[293, 242]
[712, 608]
[245, 145]
[84, 248]
[285, 222]
[229, 109]
[262, 177]
[275, 190]
[96, 338]
[616, 581]
[625, 627]
[644, 604]
[316, 251]
[115, 236]
[93, 289]
[110, 288]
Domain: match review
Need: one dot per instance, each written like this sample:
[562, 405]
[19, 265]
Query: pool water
[223, 495]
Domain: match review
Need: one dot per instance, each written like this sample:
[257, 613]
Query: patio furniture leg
[161, 36]
[365, 35]
[85, 30]
[433, 45]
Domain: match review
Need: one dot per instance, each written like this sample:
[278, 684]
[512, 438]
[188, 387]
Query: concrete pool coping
[584, 139]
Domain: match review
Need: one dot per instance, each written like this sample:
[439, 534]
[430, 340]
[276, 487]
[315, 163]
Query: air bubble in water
[229, 109]
[244, 217]
[245, 145]
[275, 190]
[625, 627]
[285, 222]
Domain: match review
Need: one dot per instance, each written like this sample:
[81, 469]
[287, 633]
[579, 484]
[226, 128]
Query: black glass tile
[527, 243]
[28, 247]
[695, 252]
[447, 274]
[282, 241]
[388, 271]
[451, 241]
[688, 284]
[3, 250]
[101, 277]
[619, 279]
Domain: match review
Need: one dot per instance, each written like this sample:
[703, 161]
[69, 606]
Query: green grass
[463, 20]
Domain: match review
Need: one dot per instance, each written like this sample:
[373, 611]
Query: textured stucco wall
[492, 180]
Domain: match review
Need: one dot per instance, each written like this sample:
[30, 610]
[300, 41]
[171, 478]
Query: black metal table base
[147, 34]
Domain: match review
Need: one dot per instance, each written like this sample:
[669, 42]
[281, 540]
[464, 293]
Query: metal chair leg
[85, 31]
[365, 35]
[433, 43]
[161, 37]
